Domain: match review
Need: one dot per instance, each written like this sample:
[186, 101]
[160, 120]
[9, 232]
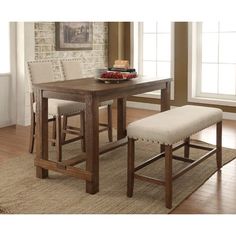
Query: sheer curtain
[5, 47]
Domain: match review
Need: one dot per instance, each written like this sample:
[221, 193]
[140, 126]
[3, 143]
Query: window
[5, 47]
[213, 60]
[153, 49]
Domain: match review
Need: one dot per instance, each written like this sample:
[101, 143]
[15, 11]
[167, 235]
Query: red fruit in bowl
[114, 75]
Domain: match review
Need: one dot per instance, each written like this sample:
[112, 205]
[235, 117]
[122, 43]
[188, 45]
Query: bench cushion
[174, 125]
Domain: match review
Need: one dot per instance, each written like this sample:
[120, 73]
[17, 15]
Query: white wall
[14, 93]
[8, 86]
[5, 100]
[36, 40]
[20, 74]
[25, 52]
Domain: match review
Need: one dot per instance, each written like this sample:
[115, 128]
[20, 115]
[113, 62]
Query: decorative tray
[113, 80]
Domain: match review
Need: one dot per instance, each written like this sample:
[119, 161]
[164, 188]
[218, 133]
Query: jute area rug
[21, 192]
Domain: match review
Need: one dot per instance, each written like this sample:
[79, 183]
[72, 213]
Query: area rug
[22, 193]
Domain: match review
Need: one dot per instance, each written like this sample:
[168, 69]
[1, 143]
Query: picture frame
[73, 36]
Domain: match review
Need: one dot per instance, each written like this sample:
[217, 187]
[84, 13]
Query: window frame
[153, 94]
[194, 72]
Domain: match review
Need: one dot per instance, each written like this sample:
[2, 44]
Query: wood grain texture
[91, 91]
[219, 145]
[42, 132]
[80, 87]
[121, 118]
[168, 175]
[130, 167]
[92, 143]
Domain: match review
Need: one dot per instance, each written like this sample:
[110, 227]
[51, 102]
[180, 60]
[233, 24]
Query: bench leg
[168, 175]
[219, 145]
[186, 147]
[130, 169]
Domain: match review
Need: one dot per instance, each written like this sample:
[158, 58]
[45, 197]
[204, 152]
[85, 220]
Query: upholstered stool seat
[61, 107]
[168, 128]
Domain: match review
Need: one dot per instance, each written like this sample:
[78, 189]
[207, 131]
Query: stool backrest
[40, 71]
[71, 69]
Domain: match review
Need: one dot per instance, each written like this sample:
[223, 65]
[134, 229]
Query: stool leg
[32, 133]
[130, 169]
[186, 147]
[162, 148]
[219, 145]
[82, 130]
[64, 127]
[109, 122]
[58, 138]
[53, 132]
[168, 175]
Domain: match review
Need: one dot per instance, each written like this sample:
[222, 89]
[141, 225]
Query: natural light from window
[157, 49]
[153, 49]
[218, 59]
[4, 48]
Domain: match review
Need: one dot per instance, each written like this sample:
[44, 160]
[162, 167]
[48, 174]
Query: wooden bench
[168, 129]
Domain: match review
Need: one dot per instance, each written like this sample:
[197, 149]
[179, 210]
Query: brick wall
[90, 59]
[44, 48]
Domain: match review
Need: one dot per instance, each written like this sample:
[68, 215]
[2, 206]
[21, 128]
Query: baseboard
[229, 116]
[146, 106]
[5, 124]
[143, 105]
[157, 107]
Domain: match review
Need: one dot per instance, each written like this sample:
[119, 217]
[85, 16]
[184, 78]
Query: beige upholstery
[61, 107]
[71, 69]
[174, 125]
[42, 72]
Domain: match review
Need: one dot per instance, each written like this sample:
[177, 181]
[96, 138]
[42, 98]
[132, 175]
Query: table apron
[105, 95]
[77, 97]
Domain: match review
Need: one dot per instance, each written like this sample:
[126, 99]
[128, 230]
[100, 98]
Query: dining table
[90, 91]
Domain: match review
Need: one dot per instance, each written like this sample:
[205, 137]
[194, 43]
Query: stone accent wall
[90, 59]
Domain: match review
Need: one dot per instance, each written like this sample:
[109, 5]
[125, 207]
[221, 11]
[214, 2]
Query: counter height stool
[71, 69]
[41, 71]
[168, 128]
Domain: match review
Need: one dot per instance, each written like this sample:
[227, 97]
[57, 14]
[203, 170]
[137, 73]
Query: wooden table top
[94, 86]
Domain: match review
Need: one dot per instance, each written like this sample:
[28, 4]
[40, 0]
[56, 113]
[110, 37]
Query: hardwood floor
[13, 141]
[216, 195]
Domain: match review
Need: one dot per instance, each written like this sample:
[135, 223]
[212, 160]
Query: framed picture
[74, 36]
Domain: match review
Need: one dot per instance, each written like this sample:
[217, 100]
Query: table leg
[165, 103]
[92, 143]
[121, 118]
[41, 132]
[165, 97]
